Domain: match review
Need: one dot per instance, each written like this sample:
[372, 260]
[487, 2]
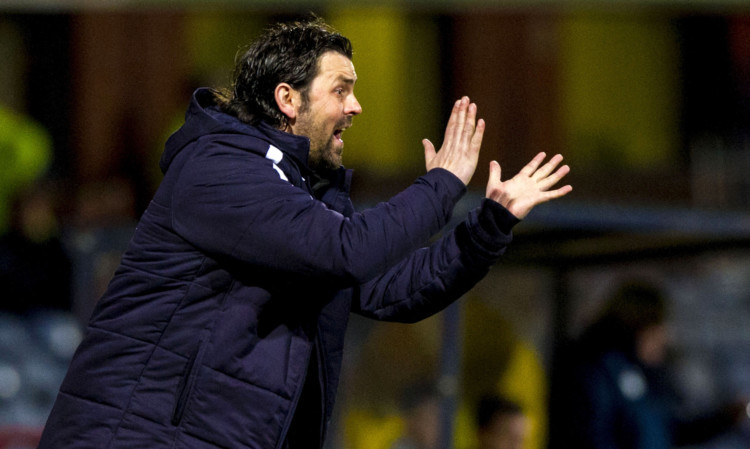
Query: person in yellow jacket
[25, 154]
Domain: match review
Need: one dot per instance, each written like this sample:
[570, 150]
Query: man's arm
[229, 203]
[430, 279]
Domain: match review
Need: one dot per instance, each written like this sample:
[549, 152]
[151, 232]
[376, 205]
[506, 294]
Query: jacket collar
[203, 118]
[298, 147]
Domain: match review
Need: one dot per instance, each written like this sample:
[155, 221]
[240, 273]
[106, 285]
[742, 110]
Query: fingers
[469, 123]
[545, 183]
[554, 194]
[531, 167]
[547, 168]
[461, 125]
[459, 152]
[543, 174]
[456, 121]
[548, 181]
[477, 136]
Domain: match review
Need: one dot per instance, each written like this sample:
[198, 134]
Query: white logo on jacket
[275, 155]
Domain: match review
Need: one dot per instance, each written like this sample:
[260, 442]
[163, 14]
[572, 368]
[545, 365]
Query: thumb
[429, 152]
[495, 171]
[493, 182]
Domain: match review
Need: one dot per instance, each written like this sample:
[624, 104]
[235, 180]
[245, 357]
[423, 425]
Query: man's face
[652, 343]
[328, 110]
[507, 431]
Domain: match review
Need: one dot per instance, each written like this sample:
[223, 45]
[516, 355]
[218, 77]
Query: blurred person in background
[224, 323]
[35, 269]
[420, 407]
[25, 155]
[612, 392]
[501, 424]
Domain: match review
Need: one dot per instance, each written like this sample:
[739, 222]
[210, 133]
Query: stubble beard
[324, 157]
[323, 154]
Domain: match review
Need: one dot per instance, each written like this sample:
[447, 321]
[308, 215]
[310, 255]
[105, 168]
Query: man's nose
[353, 107]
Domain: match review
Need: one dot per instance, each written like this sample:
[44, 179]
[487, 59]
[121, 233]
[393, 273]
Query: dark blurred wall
[129, 70]
[47, 78]
[507, 63]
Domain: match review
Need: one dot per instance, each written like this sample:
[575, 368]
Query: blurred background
[648, 101]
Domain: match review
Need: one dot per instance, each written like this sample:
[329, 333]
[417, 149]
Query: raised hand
[463, 137]
[529, 187]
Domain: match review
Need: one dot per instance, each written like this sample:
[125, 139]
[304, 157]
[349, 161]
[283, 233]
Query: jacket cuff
[495, 219]
[486, 233]
[447, 185]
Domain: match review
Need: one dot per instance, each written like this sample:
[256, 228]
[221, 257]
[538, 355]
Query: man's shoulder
[228, 144]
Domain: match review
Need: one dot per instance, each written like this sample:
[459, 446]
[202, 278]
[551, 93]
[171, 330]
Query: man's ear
[287, 99]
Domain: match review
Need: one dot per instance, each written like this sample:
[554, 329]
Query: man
[612, 391]
[223, 326]
[501, 424]
[420, 408]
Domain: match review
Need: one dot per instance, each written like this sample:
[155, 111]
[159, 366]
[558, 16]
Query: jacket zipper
[187, 381]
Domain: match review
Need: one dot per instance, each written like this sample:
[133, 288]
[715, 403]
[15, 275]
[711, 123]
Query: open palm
[531, 186]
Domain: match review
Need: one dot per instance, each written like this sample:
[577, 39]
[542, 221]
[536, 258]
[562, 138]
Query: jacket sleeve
[231, 203]
[431, 278]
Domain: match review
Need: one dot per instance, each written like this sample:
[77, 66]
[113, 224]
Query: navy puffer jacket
[236, 272]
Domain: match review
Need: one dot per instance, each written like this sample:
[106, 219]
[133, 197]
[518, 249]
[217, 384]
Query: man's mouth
[339, 131]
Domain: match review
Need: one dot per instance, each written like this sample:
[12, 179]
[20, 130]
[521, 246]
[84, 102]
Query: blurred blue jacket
[240, 276]
[614, 402]
[621, 407]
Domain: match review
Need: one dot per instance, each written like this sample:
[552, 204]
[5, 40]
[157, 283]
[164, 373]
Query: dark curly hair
[491, 406]
[284, 53]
